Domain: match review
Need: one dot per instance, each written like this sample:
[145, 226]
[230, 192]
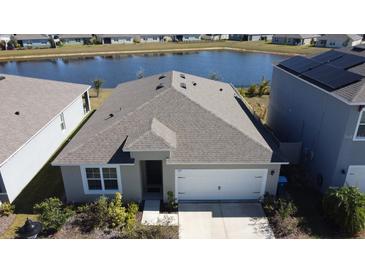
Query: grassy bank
[93, 50]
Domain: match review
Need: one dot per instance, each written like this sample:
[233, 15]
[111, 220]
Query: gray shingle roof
[353, 37]
[203, 123]
[37, 101]
[75, 36]
[298, 36]
[30, 36]
[115, 35]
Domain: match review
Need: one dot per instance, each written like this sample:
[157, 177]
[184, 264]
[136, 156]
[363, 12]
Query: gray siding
[299, 111]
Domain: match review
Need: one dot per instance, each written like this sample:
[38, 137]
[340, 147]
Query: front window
[101, 180]
[360, 130]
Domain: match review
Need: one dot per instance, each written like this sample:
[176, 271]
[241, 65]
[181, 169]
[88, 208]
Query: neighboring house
[187, 38]
[215, 37]
[170, 132]
[338, 40]
[319, 102]
[295, 39]
[149, 38]
[4, 40]
[115, 38]
[32, 40]
[36, 117]
[250, 37]
[75, 39]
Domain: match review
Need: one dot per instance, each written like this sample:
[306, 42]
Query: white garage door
[356, 177]
[220, 184]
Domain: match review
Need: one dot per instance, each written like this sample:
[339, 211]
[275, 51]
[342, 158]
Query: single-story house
[215, 37]
[295, 39]
[115, 38]
[187, 37]
[319, 102]
[338, 40]
[75, 39]
[149, 38]
[170, 132]
[36, 117]
[32, 40]
[250, 37]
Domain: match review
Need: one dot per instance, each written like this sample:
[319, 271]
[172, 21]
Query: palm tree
[251, 91]
[97, 83]
[264, 88]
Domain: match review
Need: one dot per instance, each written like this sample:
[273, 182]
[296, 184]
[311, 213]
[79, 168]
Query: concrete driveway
[223, 220]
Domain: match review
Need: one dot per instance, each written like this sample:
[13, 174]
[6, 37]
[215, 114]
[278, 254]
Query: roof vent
[2, 77]
[161, 77]
[17, 113]
[159, 86]
[182, 76]
[220, 89]
[111, 115]
[183, 85]
[194, 84]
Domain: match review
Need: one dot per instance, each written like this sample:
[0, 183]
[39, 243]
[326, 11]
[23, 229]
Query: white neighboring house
[6, 38]
[36, 117]
[215, 37]
[115, 38]
[339, 40]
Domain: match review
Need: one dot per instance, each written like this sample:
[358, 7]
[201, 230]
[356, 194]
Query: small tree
[215, 76]
[116, 211]
[140, 73]
[345, 206]
[97, 83]
[6, 209]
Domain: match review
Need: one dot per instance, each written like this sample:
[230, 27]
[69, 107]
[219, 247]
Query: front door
[153, 176]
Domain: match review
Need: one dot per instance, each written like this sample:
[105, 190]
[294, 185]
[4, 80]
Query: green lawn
[47, 183]
[90, 50]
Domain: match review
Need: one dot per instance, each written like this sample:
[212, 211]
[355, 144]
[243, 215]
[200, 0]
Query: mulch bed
[5, 222]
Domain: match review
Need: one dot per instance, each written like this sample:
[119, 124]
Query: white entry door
[356, 177]
[220, 184]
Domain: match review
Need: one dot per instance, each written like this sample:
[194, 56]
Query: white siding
[19, 170]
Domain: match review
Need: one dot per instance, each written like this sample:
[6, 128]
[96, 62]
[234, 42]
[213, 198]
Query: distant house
[36, 117]
[75, 39]
[187, 38]
[149, 38]
[250, 37]
[32, 40]
[115, 39]
[295, 39]
[339, 40]
[318, 102]
[4, 40]
[215, 37]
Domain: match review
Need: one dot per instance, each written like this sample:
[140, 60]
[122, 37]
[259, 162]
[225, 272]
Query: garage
[220, 184]
[356, 177]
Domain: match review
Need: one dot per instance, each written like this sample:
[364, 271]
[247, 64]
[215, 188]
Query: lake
[240, 69]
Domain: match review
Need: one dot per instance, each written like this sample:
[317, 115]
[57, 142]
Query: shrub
[151, 232]
[116, 212]
[99, 211]
[282, 207]
[6, 209]
[345, 207]
[53, 214]
[131, 220]
[171, 201]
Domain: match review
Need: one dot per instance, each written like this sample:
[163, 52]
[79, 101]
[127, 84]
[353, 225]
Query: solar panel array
[327, 70]
[332, 77]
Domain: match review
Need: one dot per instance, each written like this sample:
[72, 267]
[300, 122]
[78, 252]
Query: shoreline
[129, 52]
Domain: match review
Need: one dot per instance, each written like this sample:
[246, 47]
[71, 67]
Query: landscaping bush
[53, 214]
[116, 212]
[151, 232]
[345, 207]
[131, 220]
[251, 91]
[171, 201]
[6, 209]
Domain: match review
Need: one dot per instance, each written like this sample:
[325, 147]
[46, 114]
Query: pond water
[240, 69]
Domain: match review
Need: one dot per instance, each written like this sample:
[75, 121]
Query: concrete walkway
[152, 216]
[223, 221]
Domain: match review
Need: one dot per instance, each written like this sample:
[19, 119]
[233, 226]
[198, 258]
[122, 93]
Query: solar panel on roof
[331, 77]
[348, 61]
[299, 64]
[328, 56]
